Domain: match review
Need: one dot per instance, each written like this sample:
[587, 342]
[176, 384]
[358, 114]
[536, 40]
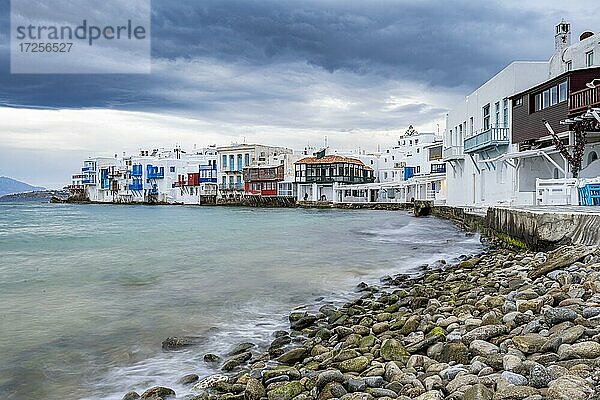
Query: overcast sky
[275, 72]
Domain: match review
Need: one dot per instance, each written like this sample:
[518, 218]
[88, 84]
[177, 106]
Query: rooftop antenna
[438, 128]
[326, 145]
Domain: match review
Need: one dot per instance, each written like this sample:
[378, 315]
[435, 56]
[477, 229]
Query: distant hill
[36, 196]
[9, 185]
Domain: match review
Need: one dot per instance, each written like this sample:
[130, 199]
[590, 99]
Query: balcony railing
[582, 99]
[155, 172]
[494, 136]
[332, 179]
[454, 153]
[438, 168]
[136, 170]
[231, 186]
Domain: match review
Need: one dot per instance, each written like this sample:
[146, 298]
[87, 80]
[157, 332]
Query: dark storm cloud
[443, 44]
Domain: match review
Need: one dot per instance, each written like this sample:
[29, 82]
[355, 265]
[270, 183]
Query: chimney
[562, 36]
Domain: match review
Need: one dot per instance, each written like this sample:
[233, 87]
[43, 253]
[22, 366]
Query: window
[553, 95]
[172, 169]
[518, 101]
[589, 58]
[538, 102]
[460, 134]
[239, 162]
[505, 112]
[224, 163]
[416, 141]
[231, 163]
[593, 156]
[569, 66]
[224, 179]
[486, 117]
[246, 159]
[471, 126]
[497, 110]
[418, 150]
[562, 92]
[546, 98]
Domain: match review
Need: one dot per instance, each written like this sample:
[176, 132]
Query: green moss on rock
[357, 364]
[392, 350]
[286, 392]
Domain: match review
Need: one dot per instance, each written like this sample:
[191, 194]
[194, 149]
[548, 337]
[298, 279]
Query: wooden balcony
[583, 99]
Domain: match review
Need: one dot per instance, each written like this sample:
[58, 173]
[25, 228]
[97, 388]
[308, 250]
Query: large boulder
[569, 387]
[254, 389]
[557, 315]
[287, 391]
[529, 343]
[357, 364]
[157, 392]
[515, 393]
[454, 352]
[179, 342]
[293, 356]
[478, 392]
[587, 349]
[393, 350]
[485, 332]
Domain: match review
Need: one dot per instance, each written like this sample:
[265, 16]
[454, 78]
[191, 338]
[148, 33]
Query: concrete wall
[542, 230]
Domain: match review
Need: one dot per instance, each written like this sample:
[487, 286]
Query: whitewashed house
[478, 134]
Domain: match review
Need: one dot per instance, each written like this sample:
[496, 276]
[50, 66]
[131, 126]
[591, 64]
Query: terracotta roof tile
[329, 159]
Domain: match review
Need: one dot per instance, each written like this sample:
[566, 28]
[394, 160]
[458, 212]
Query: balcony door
[486, 117]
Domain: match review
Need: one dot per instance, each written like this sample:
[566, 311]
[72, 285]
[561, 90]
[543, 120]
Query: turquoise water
[88, 292]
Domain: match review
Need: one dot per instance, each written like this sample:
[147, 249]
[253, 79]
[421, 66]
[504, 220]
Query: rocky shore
[503, 325]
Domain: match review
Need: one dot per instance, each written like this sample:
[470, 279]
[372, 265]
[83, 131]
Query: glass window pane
[562, 91]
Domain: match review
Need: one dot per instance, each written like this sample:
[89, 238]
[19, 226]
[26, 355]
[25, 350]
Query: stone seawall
[545, 229]
[259, 201]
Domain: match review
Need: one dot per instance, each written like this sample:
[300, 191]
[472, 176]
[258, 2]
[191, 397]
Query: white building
[233, 159]
[412, 170]
[149, 176]
[478, 133]
[568, 57]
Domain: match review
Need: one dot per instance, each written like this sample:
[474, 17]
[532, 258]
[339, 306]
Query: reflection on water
[89, 292]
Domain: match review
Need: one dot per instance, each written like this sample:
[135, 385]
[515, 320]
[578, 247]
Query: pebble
[489, 327]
